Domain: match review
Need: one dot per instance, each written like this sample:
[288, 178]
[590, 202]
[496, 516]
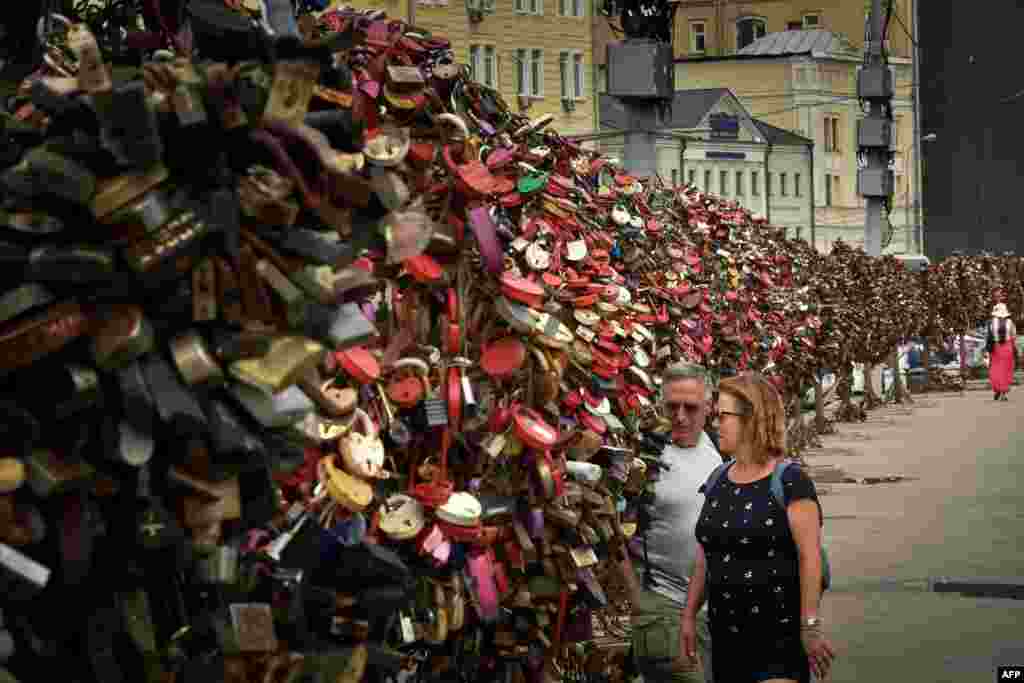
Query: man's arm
[695, 593]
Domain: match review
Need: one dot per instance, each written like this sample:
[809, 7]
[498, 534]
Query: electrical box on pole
[640, 69]
[874, 183]
[874, 81]
[874, 133]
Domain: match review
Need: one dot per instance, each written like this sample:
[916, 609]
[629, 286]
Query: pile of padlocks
[330, 367]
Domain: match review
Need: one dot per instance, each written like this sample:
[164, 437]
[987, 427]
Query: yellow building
[537, 53]
[717, 28]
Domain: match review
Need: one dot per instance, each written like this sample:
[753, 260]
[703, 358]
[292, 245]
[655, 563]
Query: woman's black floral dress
[753, 583]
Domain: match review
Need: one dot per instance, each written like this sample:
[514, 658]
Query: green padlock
[532, 182]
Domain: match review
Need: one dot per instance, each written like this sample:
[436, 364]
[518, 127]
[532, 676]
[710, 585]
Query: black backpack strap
[716, 476]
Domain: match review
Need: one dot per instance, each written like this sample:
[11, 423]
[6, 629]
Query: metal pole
[810, 155]
[918, 228]
[875, 218]
[907, 227]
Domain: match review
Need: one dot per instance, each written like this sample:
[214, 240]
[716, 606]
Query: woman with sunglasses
[758, 565]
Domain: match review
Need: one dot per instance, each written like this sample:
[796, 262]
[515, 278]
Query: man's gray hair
[688, 371]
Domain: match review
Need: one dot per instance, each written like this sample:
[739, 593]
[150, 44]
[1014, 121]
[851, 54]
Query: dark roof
[779, 136]
[689, 107]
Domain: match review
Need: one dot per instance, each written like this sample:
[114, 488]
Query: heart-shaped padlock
[361, 450]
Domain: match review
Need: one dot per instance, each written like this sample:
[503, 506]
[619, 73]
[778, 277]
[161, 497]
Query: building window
[828, 190]
[698, 42]
[748, 30]
[570, 69]
[571, 8]
[755, 186]
[707, 181]
[483, 65]
[530, 73]
[692, 177]
[796, 184]
[739, 183]
[831, 133]
[723, 183]
[812, 21]
[675, 177]
[799, 229]
[782, 184]
[770, 190]
[836, 195]
[528, 6]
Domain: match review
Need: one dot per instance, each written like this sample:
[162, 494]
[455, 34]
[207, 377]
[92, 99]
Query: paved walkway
[960, 513]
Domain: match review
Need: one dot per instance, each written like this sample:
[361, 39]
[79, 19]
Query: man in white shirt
[659, 580]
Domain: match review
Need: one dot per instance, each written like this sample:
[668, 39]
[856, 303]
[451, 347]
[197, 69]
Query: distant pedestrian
[760, 567]
[1002, 346]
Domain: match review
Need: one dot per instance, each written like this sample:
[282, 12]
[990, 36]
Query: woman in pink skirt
[1004, 339]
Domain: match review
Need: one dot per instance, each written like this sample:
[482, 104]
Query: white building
[712, 142]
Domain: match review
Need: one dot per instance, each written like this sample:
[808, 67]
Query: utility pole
[918, 166]
[642, 76]
[874, 133]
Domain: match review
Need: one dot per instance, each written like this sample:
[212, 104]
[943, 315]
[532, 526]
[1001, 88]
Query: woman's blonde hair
[765, 422]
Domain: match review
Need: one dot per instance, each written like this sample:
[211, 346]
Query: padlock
[361, 450]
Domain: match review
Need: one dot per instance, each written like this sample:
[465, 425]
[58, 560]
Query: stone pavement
[958, 511]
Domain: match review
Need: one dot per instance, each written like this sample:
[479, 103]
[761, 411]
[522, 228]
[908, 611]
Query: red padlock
[532, 430]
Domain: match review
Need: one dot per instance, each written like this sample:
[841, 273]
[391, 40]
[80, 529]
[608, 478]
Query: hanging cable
[905, 30]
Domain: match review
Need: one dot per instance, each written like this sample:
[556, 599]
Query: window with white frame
[723, 183]
[707, 181]
[698, 37]
[782, 185]
[739, 183]
[483, 65]
[692, 177]
[796, 184]
[570, 68]
[529, 72]
[749, 29]
[769, 189]
[831, 133]
[571, 8]
[755, 185]
[812, 20]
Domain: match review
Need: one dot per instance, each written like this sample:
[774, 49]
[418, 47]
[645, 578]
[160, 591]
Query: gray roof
[689, 107]
[780, 136]
[784, 43]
